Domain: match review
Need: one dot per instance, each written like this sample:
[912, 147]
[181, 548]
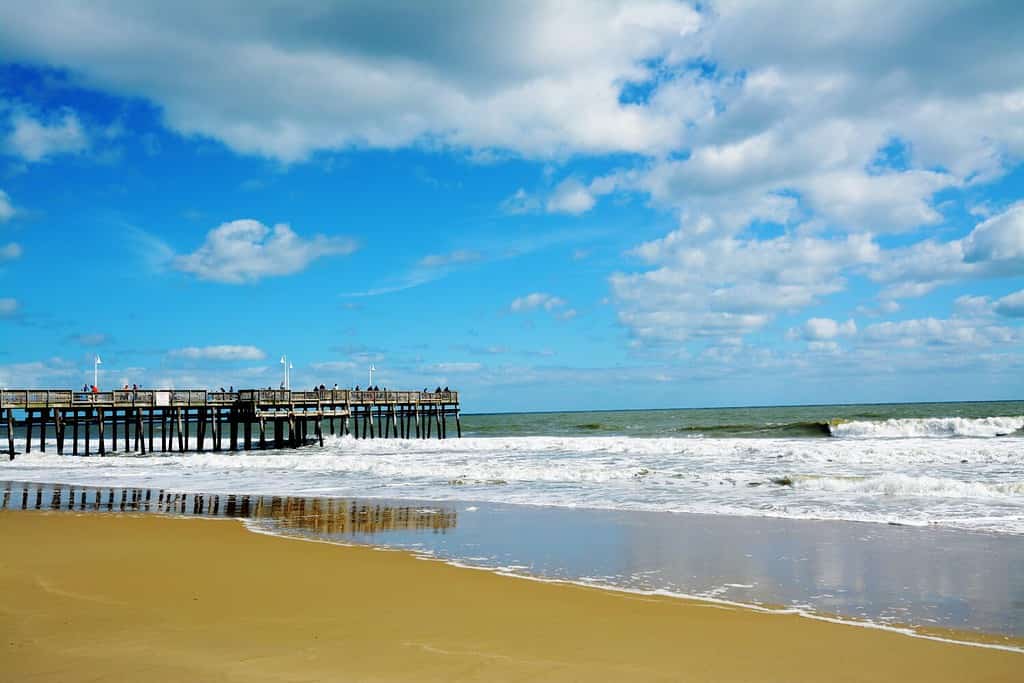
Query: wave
[763, 430]
[929, 427]
[905, 485]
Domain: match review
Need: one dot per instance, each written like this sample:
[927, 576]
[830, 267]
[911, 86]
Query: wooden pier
[252, 418]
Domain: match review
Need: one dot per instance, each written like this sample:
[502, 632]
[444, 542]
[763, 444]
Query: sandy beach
[88, 596]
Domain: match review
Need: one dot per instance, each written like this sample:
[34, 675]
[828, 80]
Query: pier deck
[282, 417]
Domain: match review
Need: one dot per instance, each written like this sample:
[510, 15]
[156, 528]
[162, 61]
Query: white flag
[98, 361]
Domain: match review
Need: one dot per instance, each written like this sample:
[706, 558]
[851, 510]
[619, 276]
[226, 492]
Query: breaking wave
[907, 485]
[931, 427]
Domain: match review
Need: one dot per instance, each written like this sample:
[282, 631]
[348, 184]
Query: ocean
[950, 465]
[905, 515]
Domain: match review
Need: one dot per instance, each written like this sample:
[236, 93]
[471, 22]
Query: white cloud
[10, 252]
[536, 300]
[994, 248]
[1011, 305]
[570, 197]
[225, 352]
[999, 239]
[542, 80]
[8, 306]
[450, 259]
[729, 287]
[35, 140]
[48, 373]
[964, 332]
[6, 208]
[823, 329]
[245, 251]
[891, 202]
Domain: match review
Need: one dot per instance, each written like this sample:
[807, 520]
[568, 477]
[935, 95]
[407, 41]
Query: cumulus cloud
[994, 248]
[10, 252]
[965, 332]
[542, 80]
[245, 251]
[728, 287]
[35, 140]
[570, 197]
[824, 329]
[221, 352]
[1011, 305]
[536, 300]
[6, 208]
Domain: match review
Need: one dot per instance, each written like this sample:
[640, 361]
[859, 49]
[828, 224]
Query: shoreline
[145, 593]
[919, 589]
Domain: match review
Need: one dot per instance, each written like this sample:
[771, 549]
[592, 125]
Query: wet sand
[88, 596]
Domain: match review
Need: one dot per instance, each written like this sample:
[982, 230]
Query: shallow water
[710, 503]
[957, 482]
[925, 578]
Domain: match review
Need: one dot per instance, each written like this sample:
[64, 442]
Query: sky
[544, 205]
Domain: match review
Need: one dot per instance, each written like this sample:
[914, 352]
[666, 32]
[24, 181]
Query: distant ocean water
[957, 465]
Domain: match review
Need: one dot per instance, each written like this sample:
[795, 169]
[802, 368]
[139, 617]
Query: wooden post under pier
[297, 417]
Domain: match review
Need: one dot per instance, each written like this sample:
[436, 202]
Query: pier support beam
[10, 434]
[99, 427]
[58, 426]
[44, 417]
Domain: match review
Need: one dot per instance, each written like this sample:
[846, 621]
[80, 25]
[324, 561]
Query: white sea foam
[931, 427]
[973, 483]
[906, 485]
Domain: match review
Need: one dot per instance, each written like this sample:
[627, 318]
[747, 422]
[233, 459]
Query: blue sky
[545, 205]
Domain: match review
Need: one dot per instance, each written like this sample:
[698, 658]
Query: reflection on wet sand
[319, 515]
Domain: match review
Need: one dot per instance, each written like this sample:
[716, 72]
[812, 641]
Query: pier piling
[296, 417]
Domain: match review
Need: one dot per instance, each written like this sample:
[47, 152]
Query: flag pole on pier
[96, 371]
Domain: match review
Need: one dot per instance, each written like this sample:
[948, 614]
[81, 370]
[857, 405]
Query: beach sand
[124, 597]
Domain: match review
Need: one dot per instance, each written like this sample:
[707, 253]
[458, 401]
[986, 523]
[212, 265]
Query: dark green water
[770, 422]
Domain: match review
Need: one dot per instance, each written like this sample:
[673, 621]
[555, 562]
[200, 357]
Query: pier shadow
[327, 517]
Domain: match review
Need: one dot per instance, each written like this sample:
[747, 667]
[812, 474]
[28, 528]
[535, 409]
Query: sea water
[949, 465]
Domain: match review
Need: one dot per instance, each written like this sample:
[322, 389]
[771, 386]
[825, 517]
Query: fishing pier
[170, 418]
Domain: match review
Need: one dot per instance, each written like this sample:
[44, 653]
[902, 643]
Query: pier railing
[22, 399]
[183, 413]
